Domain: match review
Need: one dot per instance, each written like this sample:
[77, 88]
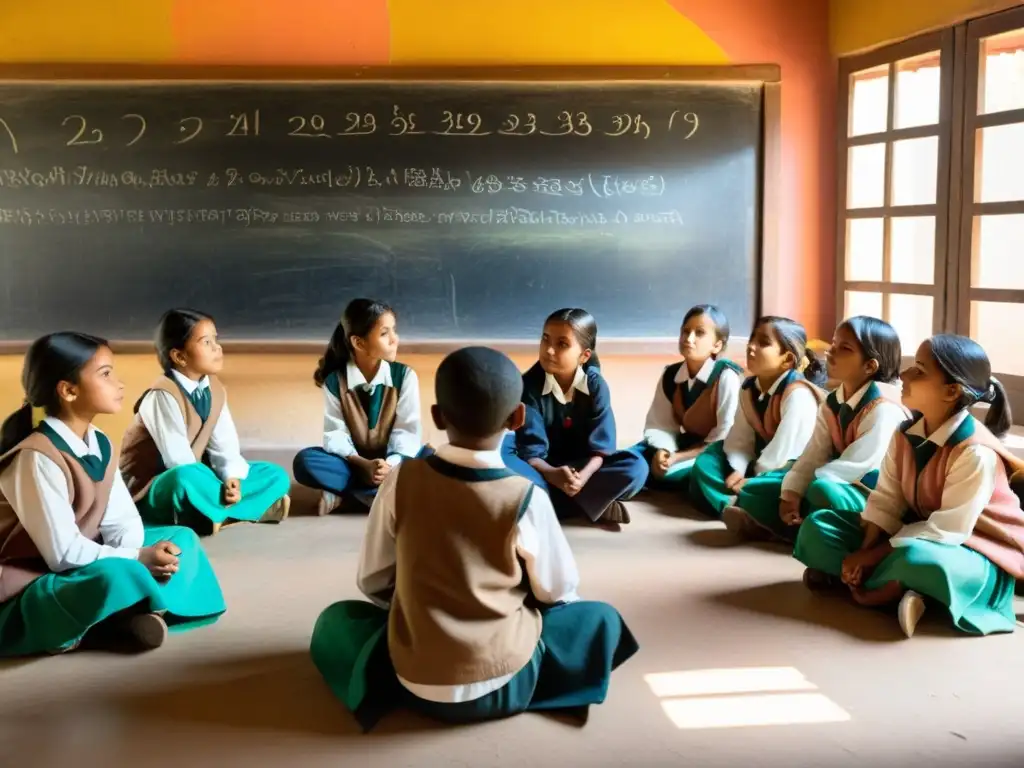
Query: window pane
[1001, 167]
[996, 252]
[915, 166]
[912, 249]
[864, 249]
[999, 328]
[869, 101]
[917, 91]
[863, 303]
[1001, 76]
[866, 175]
[911, 316]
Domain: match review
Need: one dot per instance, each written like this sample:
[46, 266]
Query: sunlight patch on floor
[740, 697]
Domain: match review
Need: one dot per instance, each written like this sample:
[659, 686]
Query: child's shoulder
[534, 377]
[400, 373]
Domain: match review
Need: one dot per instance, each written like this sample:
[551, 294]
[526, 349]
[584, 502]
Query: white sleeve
[224, 450]
[660, 428]
[796, 425]
[38, 493]
[162, 419]
[968, 488]
[121, 525]
[729, 384]
[541, 543]
[337, 438]
[377, 558]
[865, 453]
[818, 452]
[407, 434]
[886, 504]
[739, 444]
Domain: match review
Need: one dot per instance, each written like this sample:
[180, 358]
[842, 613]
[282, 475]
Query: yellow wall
[858, 25]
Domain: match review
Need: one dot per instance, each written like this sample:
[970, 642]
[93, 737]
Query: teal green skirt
[580, 644]
[190, 495]
[760, 497]
[58, 609]
[977, 594]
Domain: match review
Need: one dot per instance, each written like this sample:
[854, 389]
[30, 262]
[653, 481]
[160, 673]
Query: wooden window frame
[970, 36]
[938, 289]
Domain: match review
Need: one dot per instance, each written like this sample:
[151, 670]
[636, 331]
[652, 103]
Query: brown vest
[999, 532]
[842, 440]
[140, 458]
[369, 443]
[702, 416]
[458, 614]
[20, 561]
[767, 427]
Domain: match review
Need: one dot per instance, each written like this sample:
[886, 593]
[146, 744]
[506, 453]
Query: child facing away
[568, 443]
[840, 465]
[779, 404]
[475, 613]
[371, 409]
[942, 525]
[181, 456]
[75, 559]
[695, 400]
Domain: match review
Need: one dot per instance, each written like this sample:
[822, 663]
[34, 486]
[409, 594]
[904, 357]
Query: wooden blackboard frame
[768, 75]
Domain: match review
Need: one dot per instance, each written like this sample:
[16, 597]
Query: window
[892, 222]
[931, 198]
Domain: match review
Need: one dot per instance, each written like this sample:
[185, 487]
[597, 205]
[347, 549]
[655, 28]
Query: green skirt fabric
[977, 594]
[58, 609]
[760, 500]
[190, 495]
[759, 496]
[580, 644]
[678, 476]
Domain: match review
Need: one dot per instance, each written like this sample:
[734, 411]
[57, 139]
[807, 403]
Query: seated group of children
[474, 611]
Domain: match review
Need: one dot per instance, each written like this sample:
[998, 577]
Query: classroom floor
[770, 672]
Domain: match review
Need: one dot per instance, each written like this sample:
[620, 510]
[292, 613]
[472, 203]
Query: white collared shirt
[579, 383]
[661, 429]
[540, 542]
[163, 420]
[862, 456]
[38, 491]
[967, 490]
[406, 437]
[796, 425]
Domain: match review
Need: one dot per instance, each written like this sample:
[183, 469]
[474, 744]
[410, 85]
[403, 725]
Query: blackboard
[474, 208]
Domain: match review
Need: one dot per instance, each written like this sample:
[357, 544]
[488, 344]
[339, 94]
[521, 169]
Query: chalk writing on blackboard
[602, 185]
[354, 124]
[246, 217]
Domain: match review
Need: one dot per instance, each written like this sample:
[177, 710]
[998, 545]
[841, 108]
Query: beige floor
[243, 692]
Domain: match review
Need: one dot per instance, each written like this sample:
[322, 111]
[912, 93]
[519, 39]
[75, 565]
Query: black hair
[964, 362]
[793, 338]
[879, 342]
[477, 390]
[173, 332]
[358, 320]
[584, 328]
[50, 360]
[717, 317]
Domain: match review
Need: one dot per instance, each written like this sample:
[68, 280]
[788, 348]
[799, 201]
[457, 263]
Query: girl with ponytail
[371, 409]
[942, 523]
[70, 534]
[778, 407]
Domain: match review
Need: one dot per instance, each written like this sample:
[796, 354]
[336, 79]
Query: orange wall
[858, 25]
